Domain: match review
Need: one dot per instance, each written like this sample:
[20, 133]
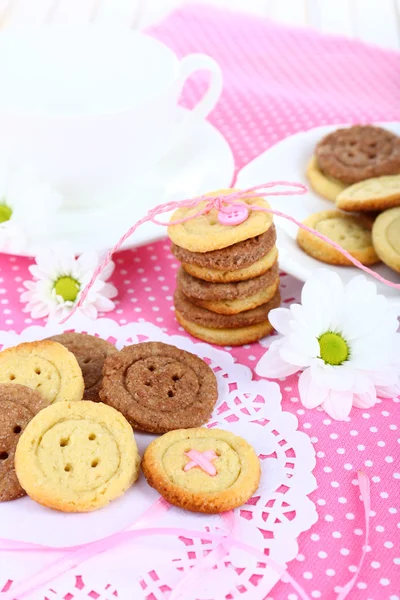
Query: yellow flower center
[67, 287]
[5, 213]
[333, 348]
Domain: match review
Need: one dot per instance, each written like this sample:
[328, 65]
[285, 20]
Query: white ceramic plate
[201, 162]
[287, 160]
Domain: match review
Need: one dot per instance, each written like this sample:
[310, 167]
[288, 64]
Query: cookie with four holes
[90, 352]
[18, 406]
[357, 153]
[77, 456]
[351, 232]
[202, 470]
[158, 387]
[45, 366]
[376, 194]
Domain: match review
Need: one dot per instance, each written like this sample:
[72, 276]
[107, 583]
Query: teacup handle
[191, 64]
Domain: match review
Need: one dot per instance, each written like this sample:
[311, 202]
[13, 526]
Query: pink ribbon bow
[226, 204]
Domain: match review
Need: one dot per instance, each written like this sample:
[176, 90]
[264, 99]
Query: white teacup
[91, 108]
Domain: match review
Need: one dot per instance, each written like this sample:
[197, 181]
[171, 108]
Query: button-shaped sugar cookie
[386, 237]
[379, 193]
[216, 230]
[202, 470]
[351, 232]
[45, 366]
[77, 456]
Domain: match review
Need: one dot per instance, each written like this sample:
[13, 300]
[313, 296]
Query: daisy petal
[279, 319]
[365, 400]
[311, 394]
[338, 404]
[272, 366]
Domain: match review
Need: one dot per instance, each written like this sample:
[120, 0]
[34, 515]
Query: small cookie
[205, 233]
[351, 232]
[158, 387]
[379, 193]
[45, 366]
[202, 470]
[238, 305]
[77, 456]
[357, 153]
[197, 289]
[227, 336]
[217, 276]
[18, 405]
[386, 237]
[90, 352]
[238, 256]
[325, 186]
[208, 318]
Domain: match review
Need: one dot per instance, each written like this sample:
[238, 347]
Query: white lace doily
[152, 567]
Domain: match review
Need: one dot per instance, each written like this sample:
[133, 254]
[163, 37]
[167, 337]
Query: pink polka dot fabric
[280, 81]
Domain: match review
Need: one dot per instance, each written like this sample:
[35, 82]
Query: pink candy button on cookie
[233, 215]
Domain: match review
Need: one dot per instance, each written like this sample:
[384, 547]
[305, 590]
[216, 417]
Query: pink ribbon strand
[76, 555]
[225, 203]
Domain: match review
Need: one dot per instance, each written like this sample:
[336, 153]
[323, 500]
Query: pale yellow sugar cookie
[378, 193]
[386, 237]
[205, 233]
[325, 186]
[351, 232]
[216, 276]
[77, 456]
[226, 337]
[232, 479]
[238, 305]
[45, 366]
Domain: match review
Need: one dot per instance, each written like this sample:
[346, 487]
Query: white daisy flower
[59, 279]
[343, 338]
[25, 205]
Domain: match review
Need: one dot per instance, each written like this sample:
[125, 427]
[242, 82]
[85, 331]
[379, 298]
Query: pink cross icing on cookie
[202, 460]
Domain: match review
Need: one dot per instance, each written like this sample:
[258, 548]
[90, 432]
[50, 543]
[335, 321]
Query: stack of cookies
[228, 280]
[358, 168]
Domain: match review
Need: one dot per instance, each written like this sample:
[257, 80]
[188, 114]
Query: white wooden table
[374, 21]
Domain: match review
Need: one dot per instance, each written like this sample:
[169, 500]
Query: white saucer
[287, 160]
[200, 163]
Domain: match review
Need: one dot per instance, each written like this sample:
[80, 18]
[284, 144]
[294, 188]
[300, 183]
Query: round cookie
[325, 186]
[238, 256]
[217, 276]
[158, 387]
[386, 237]
[197, 289]
[226, 336]
[45, 366]
[77, 456]
[379, 193]
[202, 470]
[90, 352]
[18, 405]
[357, 153]
[208, 318]
[205, 233]
[351, 232]
[238, 305]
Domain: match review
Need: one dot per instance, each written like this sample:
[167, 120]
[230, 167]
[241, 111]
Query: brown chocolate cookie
[240, 255]
[158, 387]
[18, 405]
[198, 289]
[90, 352]
[207, 318]
[357, 153]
